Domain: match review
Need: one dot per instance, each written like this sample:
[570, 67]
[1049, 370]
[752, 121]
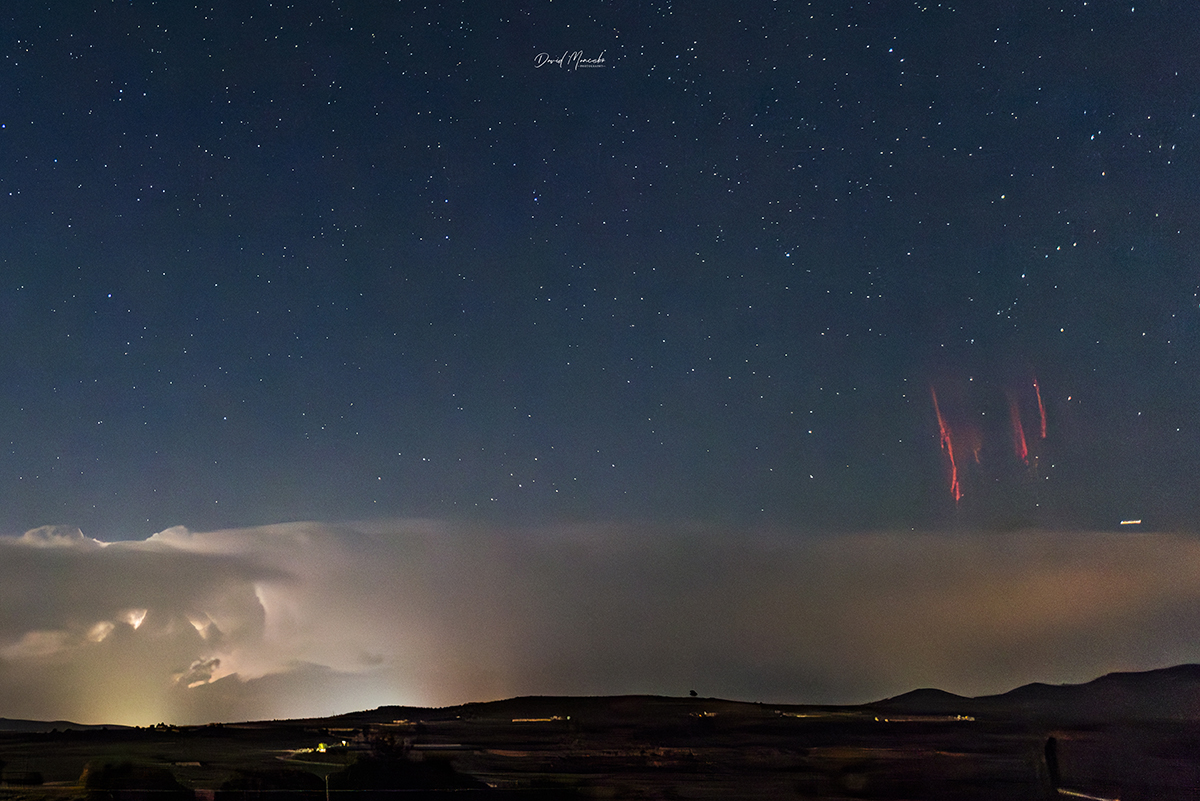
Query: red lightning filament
[1019, 445]
[1041, 408]
[968, 437]
[948, 447]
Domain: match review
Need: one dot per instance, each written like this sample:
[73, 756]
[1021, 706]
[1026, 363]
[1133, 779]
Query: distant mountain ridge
[27, 726]
[1166, 694]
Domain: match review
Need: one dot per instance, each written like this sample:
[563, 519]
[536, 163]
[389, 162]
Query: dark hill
[33, 726]
[1167, 694]
[926, 701]
[601, 710]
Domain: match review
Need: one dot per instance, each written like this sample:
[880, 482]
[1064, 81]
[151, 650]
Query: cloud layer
[306, 619]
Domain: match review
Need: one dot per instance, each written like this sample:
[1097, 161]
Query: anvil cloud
[302, 619]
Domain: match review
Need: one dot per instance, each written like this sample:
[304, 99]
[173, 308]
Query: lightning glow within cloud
[309, 619]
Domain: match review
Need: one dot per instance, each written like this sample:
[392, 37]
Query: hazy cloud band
[306, 618]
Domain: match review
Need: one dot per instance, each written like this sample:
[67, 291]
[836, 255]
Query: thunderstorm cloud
[304, 619]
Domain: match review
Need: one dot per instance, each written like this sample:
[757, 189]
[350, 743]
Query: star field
[263, 262]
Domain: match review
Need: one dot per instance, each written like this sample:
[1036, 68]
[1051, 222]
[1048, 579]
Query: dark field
[626, 747]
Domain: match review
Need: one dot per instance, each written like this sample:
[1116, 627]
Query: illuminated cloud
[310, 619]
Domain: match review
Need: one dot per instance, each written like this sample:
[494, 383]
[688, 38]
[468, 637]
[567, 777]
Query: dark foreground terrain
[1127, 736]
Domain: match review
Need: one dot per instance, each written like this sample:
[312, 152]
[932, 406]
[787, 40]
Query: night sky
[693, 289]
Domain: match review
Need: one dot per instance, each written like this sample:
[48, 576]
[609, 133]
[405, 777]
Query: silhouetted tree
[1052, 761]
[125, 781]
[272, 785]
[377, 779]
